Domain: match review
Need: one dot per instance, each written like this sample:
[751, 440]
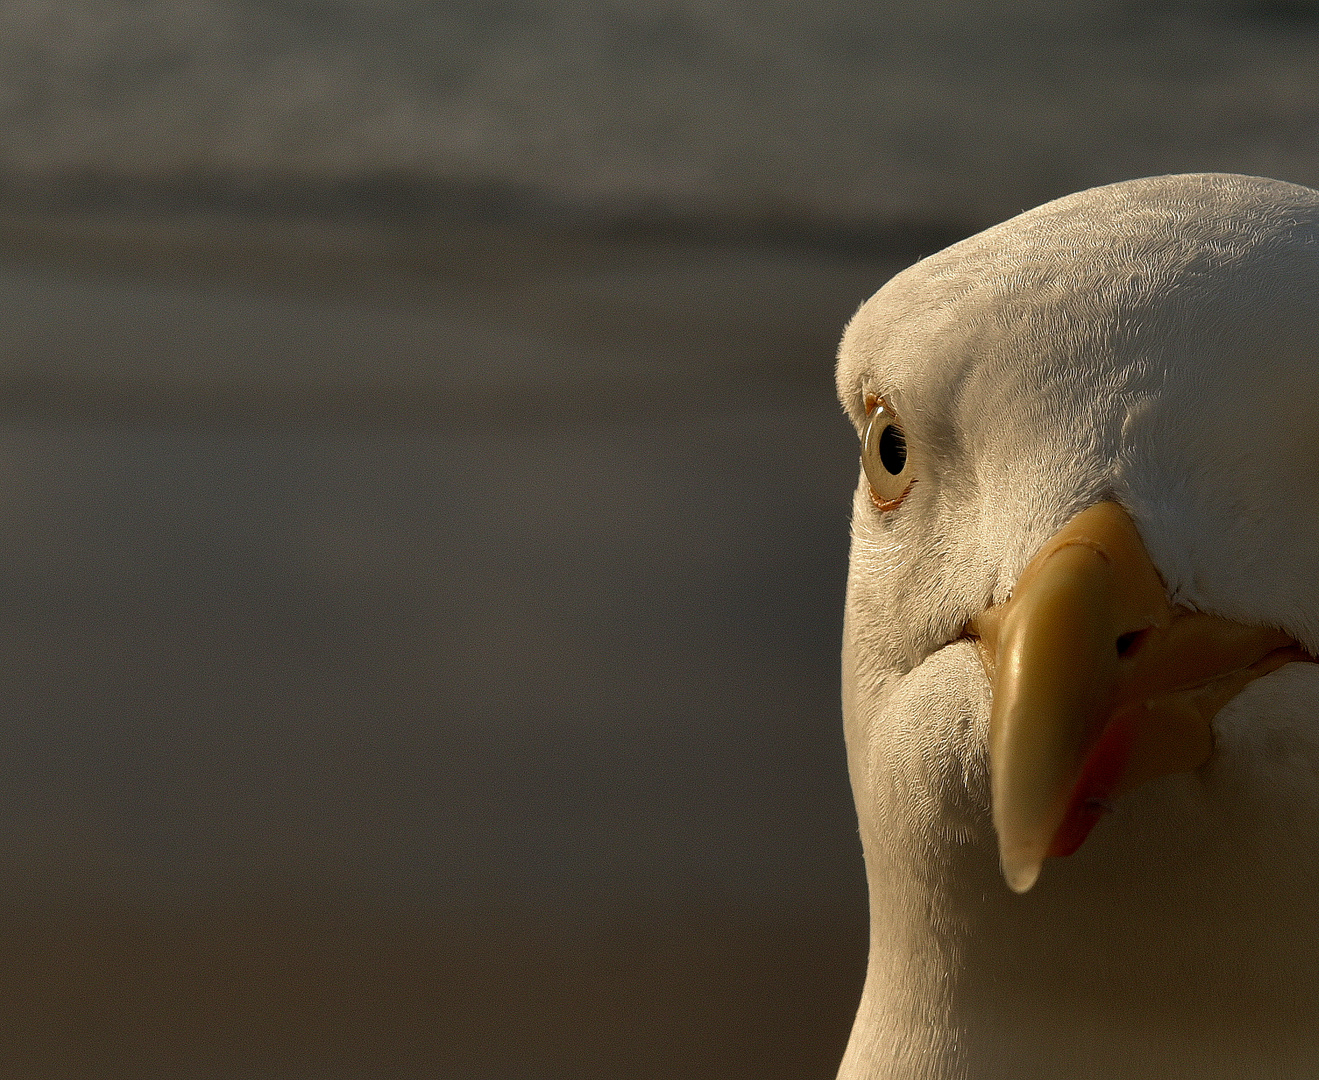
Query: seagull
[1079, 690]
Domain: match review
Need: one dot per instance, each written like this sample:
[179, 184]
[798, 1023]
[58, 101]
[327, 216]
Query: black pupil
[893, 449]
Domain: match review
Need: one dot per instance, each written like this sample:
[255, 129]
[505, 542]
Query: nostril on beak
[1129, 642]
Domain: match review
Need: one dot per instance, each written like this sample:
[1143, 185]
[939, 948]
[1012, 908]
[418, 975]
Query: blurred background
[424, 510]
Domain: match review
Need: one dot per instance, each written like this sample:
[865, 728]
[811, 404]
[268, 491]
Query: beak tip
[1020, 873]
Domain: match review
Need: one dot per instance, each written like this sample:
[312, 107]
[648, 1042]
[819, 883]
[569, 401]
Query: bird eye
[884, 457]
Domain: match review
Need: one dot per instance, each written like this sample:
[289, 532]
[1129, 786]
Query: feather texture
[1155, 343]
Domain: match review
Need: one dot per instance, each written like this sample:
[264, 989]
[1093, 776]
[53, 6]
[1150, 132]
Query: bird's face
[1086, 535]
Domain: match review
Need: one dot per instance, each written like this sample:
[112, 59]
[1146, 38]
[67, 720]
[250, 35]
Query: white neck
[1179, 942]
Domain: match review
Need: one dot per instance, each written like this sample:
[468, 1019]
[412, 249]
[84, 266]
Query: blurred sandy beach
[416, 638]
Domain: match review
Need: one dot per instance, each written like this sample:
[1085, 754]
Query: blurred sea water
[840, 115]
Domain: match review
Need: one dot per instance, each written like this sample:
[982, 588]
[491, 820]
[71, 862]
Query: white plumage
[1153, 344]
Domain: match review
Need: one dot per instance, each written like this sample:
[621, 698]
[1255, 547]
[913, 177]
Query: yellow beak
[1099, 684]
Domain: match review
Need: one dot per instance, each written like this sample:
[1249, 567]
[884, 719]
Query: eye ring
[884, 457]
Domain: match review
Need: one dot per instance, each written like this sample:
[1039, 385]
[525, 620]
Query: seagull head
[1084, 581]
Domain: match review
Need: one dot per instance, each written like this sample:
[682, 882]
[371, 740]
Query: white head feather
[1155, 343]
